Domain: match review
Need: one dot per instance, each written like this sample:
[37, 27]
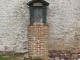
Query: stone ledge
[65, 51]
[12, 53]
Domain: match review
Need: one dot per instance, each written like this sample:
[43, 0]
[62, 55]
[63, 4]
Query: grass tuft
[8, 58]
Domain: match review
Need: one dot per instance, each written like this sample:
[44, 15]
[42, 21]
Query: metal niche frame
[38, 11]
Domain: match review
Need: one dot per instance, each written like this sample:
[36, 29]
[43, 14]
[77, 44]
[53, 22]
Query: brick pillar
[38, 37]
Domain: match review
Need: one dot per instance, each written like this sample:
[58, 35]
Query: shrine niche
[38, 10]
[38, 34]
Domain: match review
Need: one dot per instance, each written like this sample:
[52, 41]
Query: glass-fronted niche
[38, 9]
[38, 15]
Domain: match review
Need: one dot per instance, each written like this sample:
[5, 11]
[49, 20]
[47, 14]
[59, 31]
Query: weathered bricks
[38, 37]
[62, 17]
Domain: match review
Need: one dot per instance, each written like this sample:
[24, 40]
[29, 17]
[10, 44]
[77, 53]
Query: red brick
[41, 33]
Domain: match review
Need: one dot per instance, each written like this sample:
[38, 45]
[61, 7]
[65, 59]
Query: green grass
[8, 58]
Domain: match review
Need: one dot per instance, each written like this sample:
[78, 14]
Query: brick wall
[38, 37]
[63, 17]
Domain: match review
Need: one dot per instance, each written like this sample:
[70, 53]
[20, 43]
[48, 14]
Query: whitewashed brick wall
[14, 18]
[64, 21]
[63, 18]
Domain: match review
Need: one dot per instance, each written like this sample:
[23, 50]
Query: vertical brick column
[38, 37]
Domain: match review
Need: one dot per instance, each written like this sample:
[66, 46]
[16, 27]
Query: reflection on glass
[38, 15]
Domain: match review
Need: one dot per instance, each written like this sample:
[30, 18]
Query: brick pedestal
[38, 37]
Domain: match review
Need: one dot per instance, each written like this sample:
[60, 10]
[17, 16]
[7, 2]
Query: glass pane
[38, 15]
